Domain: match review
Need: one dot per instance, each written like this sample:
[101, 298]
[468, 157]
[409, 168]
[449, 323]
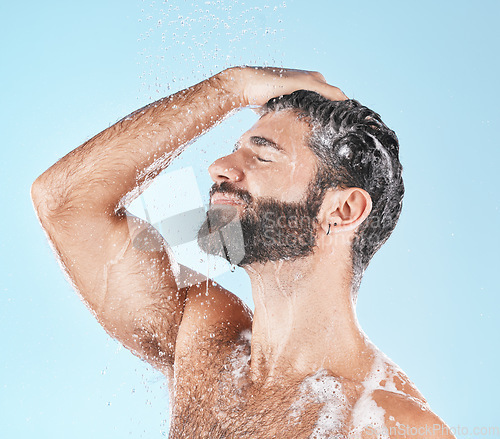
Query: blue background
[429, 298]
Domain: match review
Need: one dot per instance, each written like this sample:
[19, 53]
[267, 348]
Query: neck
[305, 320]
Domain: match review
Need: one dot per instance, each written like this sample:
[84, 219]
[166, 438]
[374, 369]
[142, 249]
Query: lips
[220, 198]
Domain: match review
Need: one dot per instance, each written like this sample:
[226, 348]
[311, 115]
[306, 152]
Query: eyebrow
[262, 141]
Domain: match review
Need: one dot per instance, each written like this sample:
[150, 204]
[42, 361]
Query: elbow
[36, 190]
[37, 193]
[41, 199]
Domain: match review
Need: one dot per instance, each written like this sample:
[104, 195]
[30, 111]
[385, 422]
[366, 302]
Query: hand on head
[254, 86]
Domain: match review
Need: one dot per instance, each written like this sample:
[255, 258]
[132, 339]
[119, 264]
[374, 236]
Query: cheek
[287, 183]
[299, 173]
[270, 182]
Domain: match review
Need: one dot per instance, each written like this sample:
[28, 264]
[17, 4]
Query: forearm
[97, 175]
[120, 159]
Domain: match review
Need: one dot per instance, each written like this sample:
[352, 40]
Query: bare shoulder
[408, 416]
[211, 314]
[391, 406]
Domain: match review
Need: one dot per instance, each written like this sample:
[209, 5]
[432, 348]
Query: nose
[225, 169]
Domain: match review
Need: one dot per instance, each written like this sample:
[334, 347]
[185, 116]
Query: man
[316, 186]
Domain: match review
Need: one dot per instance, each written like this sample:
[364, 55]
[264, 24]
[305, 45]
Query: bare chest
[222, 403]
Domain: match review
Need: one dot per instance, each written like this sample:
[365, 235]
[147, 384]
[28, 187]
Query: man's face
[267, 185]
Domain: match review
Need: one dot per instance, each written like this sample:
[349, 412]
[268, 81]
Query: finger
[333, 93]
[318, 76]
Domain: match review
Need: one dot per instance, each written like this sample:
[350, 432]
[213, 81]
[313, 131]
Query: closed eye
[260, 159]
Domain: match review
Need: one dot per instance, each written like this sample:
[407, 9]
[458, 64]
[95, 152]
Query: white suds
[366, 414]
[383, 151]
[240, 358]
[345, 152]
[323, 389]
[232, 380]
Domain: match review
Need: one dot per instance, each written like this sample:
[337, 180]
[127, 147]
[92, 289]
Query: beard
[267, 230]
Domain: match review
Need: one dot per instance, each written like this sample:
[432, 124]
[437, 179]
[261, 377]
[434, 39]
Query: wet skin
[232, 373]
[255, 385]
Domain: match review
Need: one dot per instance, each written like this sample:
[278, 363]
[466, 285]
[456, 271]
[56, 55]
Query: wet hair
[354, 149]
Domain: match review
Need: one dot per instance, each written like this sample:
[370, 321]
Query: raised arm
[81, 202]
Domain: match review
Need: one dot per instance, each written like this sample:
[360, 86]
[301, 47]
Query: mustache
[226, 187]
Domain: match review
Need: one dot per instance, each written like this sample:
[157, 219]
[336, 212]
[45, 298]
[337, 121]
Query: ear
[344, 209]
